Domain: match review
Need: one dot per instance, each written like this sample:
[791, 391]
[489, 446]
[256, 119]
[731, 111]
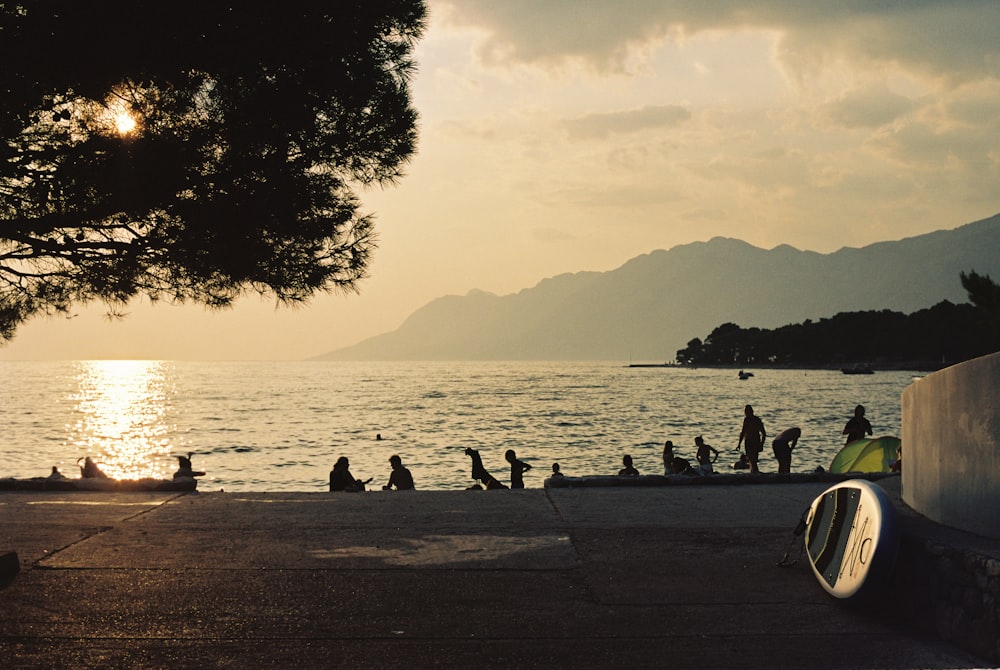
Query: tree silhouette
[944, 333]
[195, 150]
[984, 293]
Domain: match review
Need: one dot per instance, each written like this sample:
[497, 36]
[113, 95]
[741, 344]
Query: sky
[573, 135]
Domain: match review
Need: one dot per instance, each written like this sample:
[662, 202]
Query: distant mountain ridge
[654, 304]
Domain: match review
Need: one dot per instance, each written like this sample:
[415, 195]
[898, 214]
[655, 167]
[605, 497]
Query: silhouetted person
[895, 466]
[55, 474]
[184, 468]
[629, 470]
[783, 445]
[703, 456]
[517, 469]
[555, 470]
[857, 427]
[400, 477]
[681, 466]
[752, 435]
[480, 473]
[89, 469]
[341, 478]
[668, 457]
[742, 463]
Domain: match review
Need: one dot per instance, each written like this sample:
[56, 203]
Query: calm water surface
[259, 426]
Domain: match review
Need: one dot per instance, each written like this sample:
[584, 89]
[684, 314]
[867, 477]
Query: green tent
[869, 455]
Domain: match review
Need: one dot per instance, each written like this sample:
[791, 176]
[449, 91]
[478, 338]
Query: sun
[124, 123]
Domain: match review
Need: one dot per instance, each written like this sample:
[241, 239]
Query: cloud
[957, 40]
[646, 118]
[868, 107]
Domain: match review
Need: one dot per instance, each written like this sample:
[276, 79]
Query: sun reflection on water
[123, 410]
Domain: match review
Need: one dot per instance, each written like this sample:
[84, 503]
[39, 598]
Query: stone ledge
[712, 480]
[947, 584]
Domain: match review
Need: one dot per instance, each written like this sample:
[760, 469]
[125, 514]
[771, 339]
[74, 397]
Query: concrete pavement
[637, 577]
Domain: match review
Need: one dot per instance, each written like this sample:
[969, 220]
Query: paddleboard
[852, 537]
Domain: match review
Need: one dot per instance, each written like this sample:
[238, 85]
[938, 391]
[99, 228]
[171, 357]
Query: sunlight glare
[124, 123]
[123, 409]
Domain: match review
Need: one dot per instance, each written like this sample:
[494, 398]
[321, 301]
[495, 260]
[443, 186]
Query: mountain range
[655, 303]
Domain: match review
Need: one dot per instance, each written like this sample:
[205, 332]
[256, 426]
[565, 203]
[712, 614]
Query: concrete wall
[951, 446]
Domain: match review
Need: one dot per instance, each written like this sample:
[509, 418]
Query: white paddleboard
[851, 538]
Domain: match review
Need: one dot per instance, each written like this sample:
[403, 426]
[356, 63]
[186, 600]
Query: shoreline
[901, 366]
[187, 484]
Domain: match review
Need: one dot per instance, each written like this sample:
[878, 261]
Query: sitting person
[681, 466]
[742, 464]
[629, 470]
[341, 478]
[668, 457]
[89, 469]
[184, 468]
[555, 470]
[400, 477]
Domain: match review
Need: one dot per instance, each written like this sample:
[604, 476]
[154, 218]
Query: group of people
[341, 478]
[400, 479]
[485, 479]
[752, 438]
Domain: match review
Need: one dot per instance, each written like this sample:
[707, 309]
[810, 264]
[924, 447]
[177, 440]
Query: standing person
[517, 469]
[753, 435]
[783, 445]
[629, 470]
[668, 457]
[857, 427]
[704, 461]
[400, 477]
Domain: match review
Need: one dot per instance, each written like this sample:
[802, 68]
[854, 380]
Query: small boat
[858, 370]
[745, 375]
[654, 365]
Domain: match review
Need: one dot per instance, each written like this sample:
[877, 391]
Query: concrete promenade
[617, 577]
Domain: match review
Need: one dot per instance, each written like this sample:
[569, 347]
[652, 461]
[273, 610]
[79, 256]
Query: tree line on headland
[926, 339]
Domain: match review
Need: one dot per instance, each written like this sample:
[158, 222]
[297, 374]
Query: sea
[280, 426]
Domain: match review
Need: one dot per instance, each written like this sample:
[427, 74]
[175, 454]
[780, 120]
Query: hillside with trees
[652, 305]
[926, 339]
